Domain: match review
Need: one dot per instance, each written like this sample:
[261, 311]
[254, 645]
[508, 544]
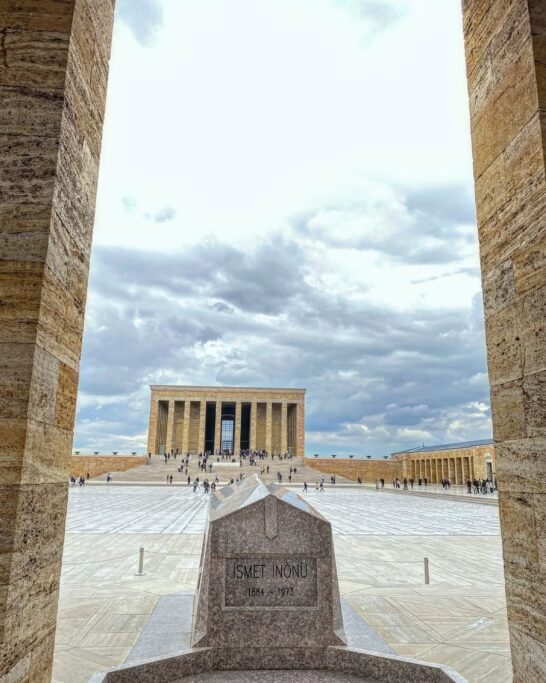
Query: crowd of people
[78, 481]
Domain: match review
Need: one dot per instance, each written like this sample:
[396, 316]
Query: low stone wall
[367, 470]
[95, 465]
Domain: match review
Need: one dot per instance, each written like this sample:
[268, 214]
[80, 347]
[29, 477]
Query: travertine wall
[456, 464]
[368, 470]
[506, 69]
[269, 417]
[95, 465]
[53, 75]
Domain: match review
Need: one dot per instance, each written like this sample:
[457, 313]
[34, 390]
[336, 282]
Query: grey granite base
[232, 664]
[168, 630]
[272, 676]
[162, 654]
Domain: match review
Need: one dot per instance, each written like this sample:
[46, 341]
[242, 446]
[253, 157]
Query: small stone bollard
[141, 562]
[427, 573]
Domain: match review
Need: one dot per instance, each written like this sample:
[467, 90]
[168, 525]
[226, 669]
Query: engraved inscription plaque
[271, 582]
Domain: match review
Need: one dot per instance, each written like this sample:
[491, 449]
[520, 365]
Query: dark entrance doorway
[227, 427]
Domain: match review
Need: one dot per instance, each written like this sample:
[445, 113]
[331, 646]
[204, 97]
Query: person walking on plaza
[189, 480]
[411, 481]
[171, 479]
[305, 487]
[321, 487]
[426, 481]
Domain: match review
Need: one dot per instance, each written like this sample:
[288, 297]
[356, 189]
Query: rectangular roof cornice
[191, 387]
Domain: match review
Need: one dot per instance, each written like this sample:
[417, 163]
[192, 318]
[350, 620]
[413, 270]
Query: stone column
[268, 426]
[152, 427]
[505, 56]
[253, 416]
[217, 425]
[53, 75]
[284, 427]
[170, 427]
[186, 427]
[300, 430]
[202, 422]
[237, 439]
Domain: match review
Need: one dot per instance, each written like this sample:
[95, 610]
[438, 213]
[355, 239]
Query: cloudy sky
[286, 199]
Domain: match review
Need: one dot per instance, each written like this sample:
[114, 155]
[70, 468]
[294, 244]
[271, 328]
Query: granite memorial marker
[268, 569]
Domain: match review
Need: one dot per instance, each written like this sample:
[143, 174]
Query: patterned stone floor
[381, 540]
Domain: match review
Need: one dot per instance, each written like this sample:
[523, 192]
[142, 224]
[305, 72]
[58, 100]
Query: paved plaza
[380, 538]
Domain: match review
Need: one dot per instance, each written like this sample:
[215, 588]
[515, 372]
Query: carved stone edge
[364, 663]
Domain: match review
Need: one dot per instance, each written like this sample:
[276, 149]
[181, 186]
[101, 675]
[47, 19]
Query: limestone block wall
[368, 470]
[53, 75]
[95, 465]
[505, 57]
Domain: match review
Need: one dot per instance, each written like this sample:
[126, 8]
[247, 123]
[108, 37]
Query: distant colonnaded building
[457, 462]
[198, 419]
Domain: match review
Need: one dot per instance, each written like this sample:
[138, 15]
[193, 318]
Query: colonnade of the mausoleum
[226, 420]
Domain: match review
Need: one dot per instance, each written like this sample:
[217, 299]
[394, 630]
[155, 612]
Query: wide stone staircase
[156, 471]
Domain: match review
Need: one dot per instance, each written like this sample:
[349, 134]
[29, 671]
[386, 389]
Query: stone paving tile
[166, 510]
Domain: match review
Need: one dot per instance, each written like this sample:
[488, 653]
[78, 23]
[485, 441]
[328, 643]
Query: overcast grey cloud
[381, 378]
[143, 17]
[380, 13]
[165, 214]
[433, 224]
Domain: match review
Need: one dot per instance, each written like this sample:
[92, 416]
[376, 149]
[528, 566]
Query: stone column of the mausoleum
[506, 70]
[268, 599]
[217, 426]
[237, 429]
[253, 419]
[53, 73]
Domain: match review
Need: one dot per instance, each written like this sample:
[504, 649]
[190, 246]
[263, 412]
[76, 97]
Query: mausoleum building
[226, 419]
